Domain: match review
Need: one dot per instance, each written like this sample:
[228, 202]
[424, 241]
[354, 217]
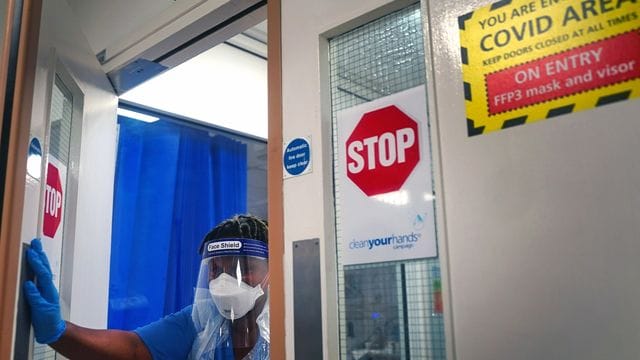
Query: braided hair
[239, 226]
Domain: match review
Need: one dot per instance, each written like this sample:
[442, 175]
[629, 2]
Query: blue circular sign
[297, 156]
[34, 147]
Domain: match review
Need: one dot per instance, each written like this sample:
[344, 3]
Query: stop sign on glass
[52, 202]
[382, 150]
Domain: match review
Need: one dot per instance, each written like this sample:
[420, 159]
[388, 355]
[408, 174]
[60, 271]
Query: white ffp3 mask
[233, 298]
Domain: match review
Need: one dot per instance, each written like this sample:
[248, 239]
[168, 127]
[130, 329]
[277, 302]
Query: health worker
[229, 319]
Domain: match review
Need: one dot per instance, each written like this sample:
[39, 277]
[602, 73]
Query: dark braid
[240, 226]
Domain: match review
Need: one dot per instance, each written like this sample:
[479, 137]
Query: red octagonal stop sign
[52, 202]
[382, 150]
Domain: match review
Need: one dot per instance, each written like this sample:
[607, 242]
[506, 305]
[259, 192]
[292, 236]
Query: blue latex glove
[43, 299]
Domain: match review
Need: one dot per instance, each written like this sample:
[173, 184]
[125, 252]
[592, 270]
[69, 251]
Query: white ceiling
[106, 23]
[117, 26]
[223, 86]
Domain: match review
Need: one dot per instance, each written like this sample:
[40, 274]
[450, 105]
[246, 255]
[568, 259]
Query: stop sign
[52, 202]
[382, 150]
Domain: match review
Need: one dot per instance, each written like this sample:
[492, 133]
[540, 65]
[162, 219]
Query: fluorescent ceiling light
[137, 115]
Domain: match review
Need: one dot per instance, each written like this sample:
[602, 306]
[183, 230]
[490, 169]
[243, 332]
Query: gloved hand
[43, 299]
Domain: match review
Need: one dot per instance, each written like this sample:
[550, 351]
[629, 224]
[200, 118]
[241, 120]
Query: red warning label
[592, 66]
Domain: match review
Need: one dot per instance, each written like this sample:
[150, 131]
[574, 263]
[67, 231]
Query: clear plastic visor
[250, 270]
[230, 311]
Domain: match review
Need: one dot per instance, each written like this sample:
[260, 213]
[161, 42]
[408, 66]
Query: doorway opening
[173, 41]
[192, 152]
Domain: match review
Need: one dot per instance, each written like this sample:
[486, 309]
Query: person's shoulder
[170, 336]
[179, 319]
[186, 311]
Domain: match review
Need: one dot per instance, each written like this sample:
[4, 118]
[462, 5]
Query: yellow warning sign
[529, 60]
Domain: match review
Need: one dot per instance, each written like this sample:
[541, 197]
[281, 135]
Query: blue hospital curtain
[173, 184]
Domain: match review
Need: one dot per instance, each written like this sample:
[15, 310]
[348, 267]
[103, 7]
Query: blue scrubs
[170, 337]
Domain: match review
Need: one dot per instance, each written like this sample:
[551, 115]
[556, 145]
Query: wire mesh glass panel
[61, 112]
[374, 320]
[389, 310]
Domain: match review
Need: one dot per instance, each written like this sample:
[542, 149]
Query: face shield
[235, 272]
[230, 309]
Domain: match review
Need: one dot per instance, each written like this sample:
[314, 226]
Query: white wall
[224, 86]
[61, 40]
[542, 223]
[538, 225]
